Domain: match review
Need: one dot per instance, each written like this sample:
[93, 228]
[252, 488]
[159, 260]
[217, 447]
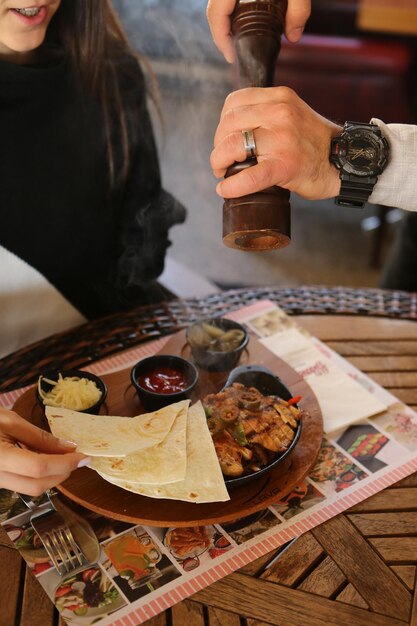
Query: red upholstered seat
[346, 78]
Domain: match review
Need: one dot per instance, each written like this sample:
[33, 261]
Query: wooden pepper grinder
[259, 221]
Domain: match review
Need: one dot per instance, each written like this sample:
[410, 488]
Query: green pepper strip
[239, 435]
[208, 410]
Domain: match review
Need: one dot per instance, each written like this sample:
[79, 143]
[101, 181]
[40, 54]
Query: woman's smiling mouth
[29, 12]
[31, 16]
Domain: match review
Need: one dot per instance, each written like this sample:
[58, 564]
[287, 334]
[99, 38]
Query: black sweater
[101, 250]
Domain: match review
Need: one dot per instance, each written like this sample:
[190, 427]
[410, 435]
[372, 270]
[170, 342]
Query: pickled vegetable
[214, 338]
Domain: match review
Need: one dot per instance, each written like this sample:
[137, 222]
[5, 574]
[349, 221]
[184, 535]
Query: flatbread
[164, 463]
[106, 435]
[203, 481]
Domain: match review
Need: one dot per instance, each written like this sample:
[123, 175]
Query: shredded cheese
[70, 392]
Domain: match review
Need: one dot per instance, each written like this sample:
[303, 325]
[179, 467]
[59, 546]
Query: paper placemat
[361, 454]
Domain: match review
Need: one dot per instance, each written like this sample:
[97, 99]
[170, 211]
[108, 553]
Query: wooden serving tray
[87, 488]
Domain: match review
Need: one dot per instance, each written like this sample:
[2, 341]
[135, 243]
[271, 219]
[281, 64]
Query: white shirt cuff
[397, 185]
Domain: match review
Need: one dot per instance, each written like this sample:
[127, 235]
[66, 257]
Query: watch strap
[374, 127]
[354, 192]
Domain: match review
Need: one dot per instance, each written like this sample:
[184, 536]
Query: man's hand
[219, 12]
[292, 145]
[32, 460]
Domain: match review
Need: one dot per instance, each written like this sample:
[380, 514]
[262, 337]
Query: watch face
[360, 152]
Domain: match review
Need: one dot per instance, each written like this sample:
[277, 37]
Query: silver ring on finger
[249, 143]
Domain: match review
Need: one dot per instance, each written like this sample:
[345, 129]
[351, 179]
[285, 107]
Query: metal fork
[56, 536]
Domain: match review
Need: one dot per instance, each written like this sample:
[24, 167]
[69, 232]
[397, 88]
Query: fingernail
[84, 462]
[219, 189]
[294, 35]
[68, 444]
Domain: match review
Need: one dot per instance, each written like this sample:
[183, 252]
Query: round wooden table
[359, 567]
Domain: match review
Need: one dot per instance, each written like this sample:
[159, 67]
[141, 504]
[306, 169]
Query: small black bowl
[153, 400]
[53, 375]
[269, 385]
[217, 361]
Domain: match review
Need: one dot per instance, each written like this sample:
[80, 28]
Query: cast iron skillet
[269, 385]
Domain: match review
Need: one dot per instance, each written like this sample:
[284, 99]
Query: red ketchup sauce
[164, 380]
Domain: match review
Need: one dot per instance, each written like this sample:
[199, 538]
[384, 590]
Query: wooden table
[358, 568]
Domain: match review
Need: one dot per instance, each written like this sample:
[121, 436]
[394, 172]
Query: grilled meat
[249, 428]
[231, 455]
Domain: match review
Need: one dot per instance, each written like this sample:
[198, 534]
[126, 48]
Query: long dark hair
[94, 39]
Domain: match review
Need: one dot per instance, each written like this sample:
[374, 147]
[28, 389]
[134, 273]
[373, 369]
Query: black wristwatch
[361, 154]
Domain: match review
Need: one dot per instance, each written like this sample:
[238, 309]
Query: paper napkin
[342, 400]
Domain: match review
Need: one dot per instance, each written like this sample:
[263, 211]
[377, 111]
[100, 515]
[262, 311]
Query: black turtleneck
[101, 250]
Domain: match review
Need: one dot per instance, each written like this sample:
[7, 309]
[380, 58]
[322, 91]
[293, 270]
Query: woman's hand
[219, 12]
[292, 145]
[42, 463]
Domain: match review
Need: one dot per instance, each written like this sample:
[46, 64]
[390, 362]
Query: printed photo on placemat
[247, 528]
[369, 446]
[11, 505]
[400, 423]
[137, 564]
[83, 598]
[302, 497]
[28, 542]
[271, 322]
[193, 547]
[334, 471]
